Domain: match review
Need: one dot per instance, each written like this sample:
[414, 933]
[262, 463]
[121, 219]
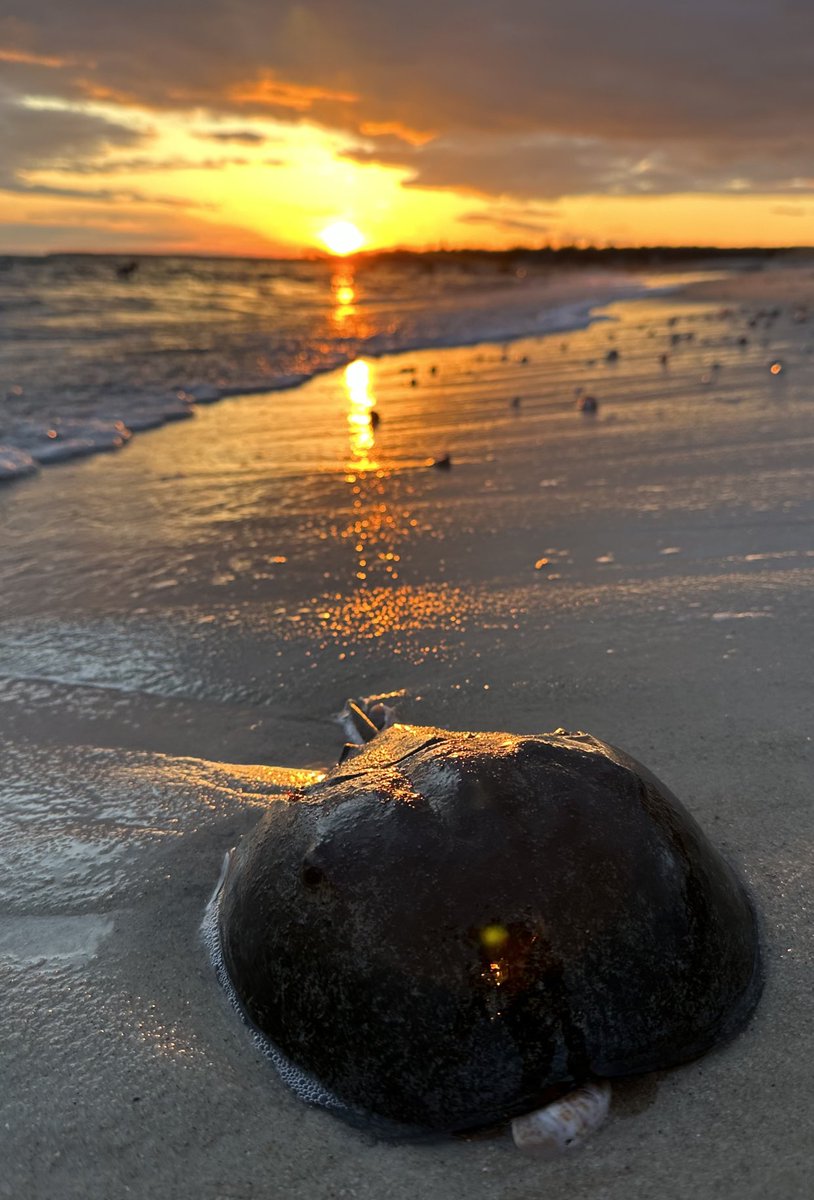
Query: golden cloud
[276, 93]
[29, 59]
[395, 129]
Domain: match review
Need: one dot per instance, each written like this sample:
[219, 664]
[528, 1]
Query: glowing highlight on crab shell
[493, 936]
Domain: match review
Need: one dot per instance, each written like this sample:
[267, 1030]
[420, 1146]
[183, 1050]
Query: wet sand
[204, 600]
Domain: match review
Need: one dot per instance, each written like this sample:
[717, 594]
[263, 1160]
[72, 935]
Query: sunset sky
[247, 126]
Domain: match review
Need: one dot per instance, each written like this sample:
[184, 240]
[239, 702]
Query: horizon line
[426, 252]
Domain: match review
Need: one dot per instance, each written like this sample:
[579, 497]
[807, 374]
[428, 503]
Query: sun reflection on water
[361, 422]
[349, 318]
[343, 293]
[378, 524]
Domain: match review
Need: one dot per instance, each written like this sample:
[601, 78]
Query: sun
[342, 237]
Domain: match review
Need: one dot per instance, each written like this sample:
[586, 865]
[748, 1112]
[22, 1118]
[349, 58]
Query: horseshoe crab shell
[450, 929]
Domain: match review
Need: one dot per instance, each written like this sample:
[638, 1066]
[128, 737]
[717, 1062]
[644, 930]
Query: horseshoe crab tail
[361, 722]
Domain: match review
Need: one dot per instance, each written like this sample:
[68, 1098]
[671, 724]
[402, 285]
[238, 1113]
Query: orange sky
[216, 144]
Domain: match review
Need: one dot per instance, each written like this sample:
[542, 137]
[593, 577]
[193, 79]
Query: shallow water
[216, 592]
[88, 358]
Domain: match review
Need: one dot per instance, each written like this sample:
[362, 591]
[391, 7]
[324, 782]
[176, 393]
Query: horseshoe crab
[453, 930]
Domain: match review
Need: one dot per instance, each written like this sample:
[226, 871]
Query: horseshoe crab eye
[311, 875]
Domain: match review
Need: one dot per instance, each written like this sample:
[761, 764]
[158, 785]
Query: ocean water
[90, 356]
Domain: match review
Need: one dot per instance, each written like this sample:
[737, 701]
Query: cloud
[145, 164]
[396, 131]
[244, 137]
[548, 167]
[501, 221]
[8, 55]
[520, 99]
[100, 195]
[33, 138]
[269, 92]
[61, 141]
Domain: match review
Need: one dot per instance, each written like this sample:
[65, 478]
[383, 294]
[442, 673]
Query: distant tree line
[579, 256]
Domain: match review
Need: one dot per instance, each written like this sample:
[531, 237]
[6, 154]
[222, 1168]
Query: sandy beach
[207, 599]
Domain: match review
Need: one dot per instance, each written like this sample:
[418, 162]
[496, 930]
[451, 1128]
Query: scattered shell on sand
[565, 1124]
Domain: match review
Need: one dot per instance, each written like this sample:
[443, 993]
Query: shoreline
[80, 438]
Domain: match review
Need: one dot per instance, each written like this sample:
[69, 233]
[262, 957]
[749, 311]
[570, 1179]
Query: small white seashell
[565, 1124]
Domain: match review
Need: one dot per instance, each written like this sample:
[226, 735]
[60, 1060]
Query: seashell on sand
[565, 1124]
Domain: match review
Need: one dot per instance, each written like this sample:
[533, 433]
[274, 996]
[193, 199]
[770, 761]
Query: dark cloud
[549, 168]
[60, 141]
[573, 66]
[101, 195]
[526, 98]
[33, 138]
[143, 163]
[245, 137]
[501, 221]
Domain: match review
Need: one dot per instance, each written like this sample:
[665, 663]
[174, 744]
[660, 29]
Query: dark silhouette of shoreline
[614, 257]
[631, 257]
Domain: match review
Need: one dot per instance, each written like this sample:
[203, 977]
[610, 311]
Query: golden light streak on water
[360, 424]
[343, 290]
[378, 525]
[360, 407]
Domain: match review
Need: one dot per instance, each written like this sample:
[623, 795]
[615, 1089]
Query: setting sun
[342, 237]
